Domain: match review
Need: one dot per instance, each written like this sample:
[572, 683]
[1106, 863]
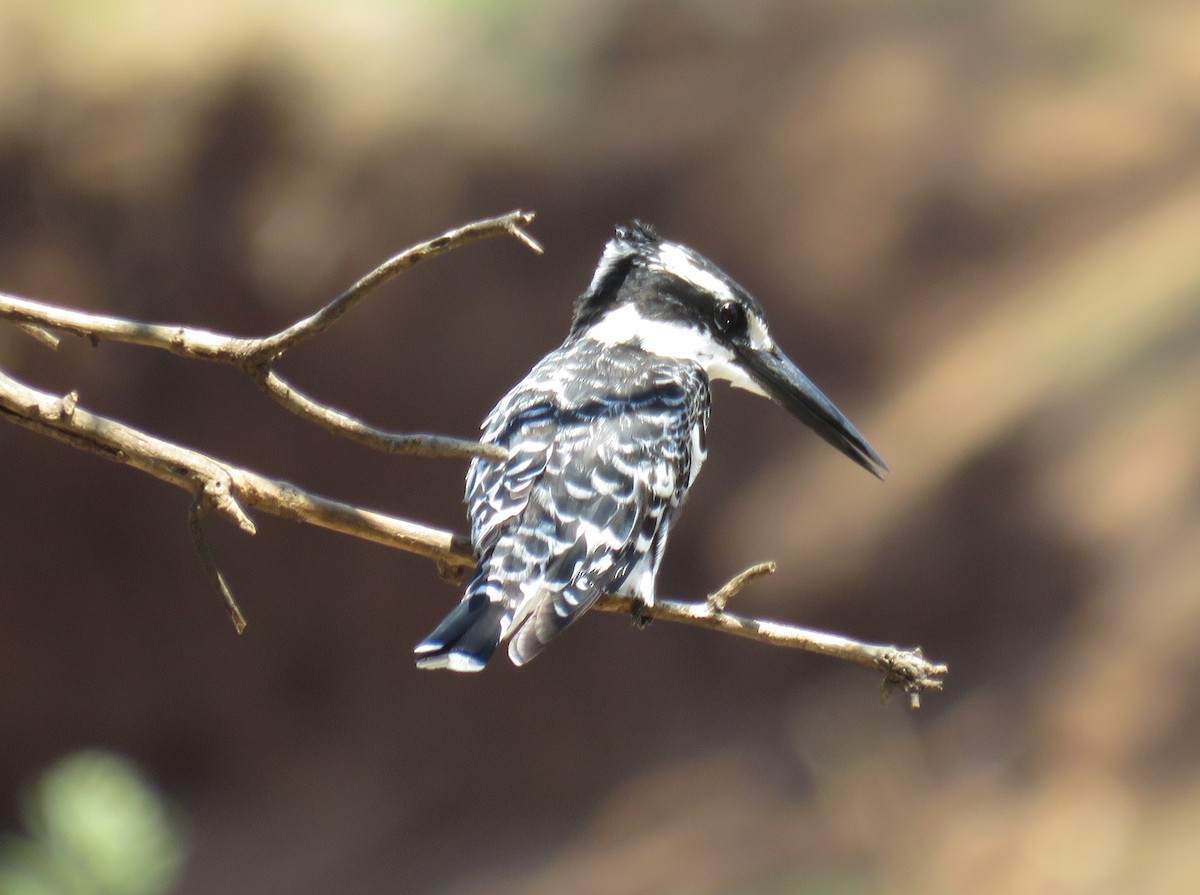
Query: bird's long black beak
[785, 384]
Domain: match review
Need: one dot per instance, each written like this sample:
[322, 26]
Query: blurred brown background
[975, 224]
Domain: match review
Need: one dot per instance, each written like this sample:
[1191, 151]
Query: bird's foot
[638, 613]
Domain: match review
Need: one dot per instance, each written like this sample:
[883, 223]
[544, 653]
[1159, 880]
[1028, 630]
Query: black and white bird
[604, 437]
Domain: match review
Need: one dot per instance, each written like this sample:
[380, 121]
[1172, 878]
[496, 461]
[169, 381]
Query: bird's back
[603, 442]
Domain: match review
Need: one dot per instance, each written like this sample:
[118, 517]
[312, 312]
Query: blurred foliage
[96, 827]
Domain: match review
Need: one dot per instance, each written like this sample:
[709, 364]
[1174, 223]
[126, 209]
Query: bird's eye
[730, 317]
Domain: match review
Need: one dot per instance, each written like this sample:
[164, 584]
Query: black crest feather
[638, 234]
[632, 242]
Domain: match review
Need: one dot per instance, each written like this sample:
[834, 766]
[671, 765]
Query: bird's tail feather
[531, 638]
[533, 633]
[467, 637]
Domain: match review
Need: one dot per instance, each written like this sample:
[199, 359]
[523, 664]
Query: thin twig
[719, 600]
[356, 430]
[904, 668]
[272, 346]
[209, 560]
[256, 356]
[40, 334]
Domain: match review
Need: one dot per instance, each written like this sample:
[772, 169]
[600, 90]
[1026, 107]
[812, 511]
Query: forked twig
[906, 669]
[256, 356]
[719, 600]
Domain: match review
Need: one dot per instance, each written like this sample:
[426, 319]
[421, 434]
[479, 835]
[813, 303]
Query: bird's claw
[638, 614]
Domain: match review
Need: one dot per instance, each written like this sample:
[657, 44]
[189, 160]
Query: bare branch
[273, 346]
[356, 430]
[63, 420]
[903, 668]
[255, 356]
[290, 502]
[183, 340]
[224, 486]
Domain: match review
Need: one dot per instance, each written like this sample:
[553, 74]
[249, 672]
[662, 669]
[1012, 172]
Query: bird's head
[672, 301]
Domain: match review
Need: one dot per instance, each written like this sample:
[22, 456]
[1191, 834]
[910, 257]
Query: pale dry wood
[273, 346]
[228, 490]
[719, 600]
[257, 356]
[40, 334]
[341, 423]
[905, 669]
[223, 487]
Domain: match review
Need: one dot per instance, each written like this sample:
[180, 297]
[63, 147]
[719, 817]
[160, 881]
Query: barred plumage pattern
[604, 442]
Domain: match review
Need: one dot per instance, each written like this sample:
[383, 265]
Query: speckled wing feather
[583, 504]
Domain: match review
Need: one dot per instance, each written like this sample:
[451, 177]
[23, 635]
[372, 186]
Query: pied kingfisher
[605, 437]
